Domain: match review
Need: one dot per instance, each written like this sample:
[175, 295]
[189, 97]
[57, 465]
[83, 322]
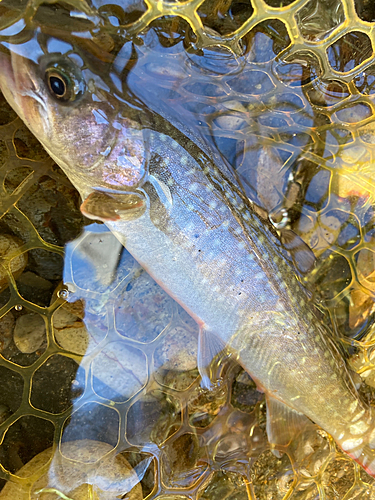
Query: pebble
[69, 329]
[10, 245]
[73, 472]
[34, 288]
[29, 332]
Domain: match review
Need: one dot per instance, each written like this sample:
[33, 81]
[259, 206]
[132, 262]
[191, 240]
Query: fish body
[185, 219]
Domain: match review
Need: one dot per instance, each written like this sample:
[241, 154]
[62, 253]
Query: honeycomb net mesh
[306, 96]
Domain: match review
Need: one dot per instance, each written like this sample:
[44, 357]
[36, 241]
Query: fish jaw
[23, 93]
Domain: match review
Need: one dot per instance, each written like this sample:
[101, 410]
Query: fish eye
[58, 85]
[64, 81]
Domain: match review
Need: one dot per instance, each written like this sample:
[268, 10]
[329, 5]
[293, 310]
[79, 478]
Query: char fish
[183, 216]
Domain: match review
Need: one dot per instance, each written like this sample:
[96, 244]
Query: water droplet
[279, 218]
[18, 307]
[63, 293]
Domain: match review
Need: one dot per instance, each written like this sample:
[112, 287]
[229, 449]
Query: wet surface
[110, 357]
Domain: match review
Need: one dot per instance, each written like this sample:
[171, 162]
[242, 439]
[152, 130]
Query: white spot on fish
[358, 416]
[359, 428]
[351, 443]
[353, 406]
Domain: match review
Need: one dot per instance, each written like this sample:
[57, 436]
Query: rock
[10, 245]
[29, 332]
[77, 473]
[34, 288]
[69, 330]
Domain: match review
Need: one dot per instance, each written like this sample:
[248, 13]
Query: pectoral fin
[111, 207]
[209, 346]
[283, 423]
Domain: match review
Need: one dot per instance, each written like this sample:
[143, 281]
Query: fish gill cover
[284, 92]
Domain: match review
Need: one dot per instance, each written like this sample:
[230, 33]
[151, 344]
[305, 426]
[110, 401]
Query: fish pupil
[57, 85]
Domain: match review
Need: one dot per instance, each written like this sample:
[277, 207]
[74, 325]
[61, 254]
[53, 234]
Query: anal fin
[209, 346]
[283, 424]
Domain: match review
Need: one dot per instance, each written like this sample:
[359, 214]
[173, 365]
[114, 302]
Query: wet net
[284, 90]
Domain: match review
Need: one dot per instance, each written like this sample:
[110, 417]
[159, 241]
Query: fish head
[71, 109]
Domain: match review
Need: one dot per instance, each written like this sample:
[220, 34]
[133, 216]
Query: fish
[180, 210]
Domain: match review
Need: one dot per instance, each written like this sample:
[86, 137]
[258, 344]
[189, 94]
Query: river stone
[77, 474]
[29, 332]
[8, 245]
[69, 329]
